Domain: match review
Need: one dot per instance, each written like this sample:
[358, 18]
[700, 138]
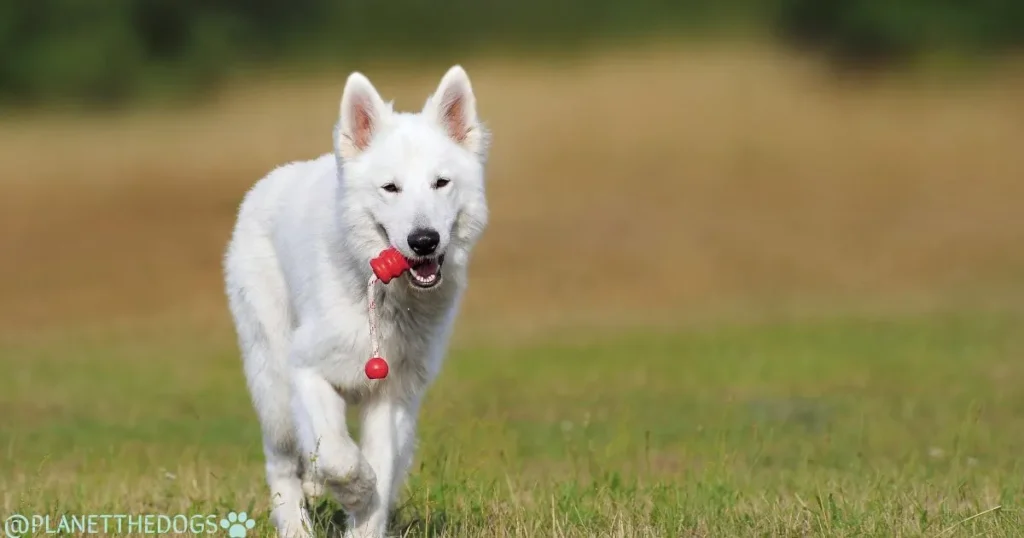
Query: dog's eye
[391, 187]
[441, 182]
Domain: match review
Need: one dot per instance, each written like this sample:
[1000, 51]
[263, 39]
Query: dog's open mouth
[426, 273]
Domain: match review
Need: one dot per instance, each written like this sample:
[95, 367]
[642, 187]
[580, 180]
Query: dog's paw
[354, 490]
[362, 532]
[292, 521]
[296, 532]
[311, 488]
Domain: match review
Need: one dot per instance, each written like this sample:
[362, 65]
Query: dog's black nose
[424, 241]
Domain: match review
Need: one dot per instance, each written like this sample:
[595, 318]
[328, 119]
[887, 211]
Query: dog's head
[413, 181]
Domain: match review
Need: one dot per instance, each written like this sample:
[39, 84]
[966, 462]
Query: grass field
[826, 337]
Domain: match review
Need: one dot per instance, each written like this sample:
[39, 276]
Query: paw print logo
[237, 525]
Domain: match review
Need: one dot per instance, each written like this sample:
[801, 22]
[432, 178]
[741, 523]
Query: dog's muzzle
[426, 273]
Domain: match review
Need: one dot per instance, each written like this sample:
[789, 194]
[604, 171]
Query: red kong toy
[387, 266]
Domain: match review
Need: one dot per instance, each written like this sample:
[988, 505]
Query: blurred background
[657, 165]
[655, 159]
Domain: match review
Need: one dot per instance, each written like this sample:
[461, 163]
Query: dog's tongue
[425, 269]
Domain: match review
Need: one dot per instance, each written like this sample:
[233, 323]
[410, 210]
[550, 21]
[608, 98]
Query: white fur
[296, 270]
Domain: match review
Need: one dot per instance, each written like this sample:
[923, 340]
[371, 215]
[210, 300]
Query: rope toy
[387, 266]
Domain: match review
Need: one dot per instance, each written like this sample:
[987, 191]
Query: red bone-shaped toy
[388, 265]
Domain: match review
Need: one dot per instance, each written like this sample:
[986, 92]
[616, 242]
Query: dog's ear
[361, 114]
[453, 106]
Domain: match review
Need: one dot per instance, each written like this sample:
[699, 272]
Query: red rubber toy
[376, 368]
[389, 264]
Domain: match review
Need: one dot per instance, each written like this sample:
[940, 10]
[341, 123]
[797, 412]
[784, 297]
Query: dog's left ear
[453, 106]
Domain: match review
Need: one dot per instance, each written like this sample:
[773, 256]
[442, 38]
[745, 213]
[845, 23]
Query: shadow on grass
[411, 524]
[330, 520]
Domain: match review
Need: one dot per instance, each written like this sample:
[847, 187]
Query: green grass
[848, 427]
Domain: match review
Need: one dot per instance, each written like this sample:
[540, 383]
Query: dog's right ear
[361, 114]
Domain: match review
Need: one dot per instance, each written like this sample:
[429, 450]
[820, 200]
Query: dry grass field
[722, 294]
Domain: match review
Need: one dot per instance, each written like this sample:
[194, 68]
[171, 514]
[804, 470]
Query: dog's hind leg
[261, 321]
[288, 510]
[271, 396]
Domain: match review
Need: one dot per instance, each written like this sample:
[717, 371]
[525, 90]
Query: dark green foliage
[879, 32]
[104, 52]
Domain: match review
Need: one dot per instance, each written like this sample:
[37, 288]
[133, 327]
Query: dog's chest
[408, 329]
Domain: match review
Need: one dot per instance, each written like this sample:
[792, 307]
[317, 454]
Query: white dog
[296, 272]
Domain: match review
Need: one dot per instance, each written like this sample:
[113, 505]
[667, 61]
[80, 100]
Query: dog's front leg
[333, 457]
[388, 434]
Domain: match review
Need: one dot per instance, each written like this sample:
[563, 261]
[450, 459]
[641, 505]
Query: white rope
[374, 341]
